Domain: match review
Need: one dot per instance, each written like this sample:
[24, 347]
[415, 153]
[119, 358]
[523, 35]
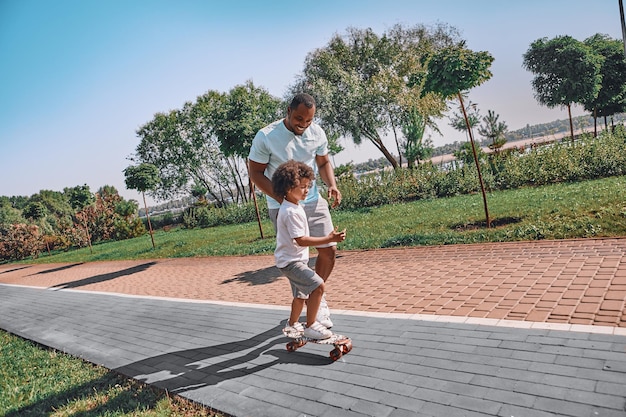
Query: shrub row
[587, 158]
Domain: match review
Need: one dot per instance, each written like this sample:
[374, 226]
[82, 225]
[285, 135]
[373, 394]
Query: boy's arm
[334, 236]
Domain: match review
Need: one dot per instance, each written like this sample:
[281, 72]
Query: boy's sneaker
[317, 331]
[297, 327]
[323, 314]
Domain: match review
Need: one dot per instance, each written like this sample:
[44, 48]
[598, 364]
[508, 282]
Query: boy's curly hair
[289, 174]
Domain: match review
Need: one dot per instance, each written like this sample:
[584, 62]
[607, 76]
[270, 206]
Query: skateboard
[342, 344]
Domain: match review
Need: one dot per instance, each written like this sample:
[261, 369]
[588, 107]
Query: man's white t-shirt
[291, 223]
[275, 144]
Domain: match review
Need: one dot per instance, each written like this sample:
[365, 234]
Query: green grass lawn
[574, 210]
[36, 381]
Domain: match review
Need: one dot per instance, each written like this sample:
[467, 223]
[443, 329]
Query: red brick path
[581, 281]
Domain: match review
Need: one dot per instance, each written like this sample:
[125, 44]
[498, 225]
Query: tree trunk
[480, 177]
[256, 203]
[148, 217]
[381, 147]
[571, 123]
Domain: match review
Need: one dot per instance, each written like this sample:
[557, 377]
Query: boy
[292, 180]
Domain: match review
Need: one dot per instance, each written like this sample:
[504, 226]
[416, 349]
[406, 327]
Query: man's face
[300, 119]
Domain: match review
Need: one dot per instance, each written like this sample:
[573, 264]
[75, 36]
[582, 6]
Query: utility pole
[621, 15]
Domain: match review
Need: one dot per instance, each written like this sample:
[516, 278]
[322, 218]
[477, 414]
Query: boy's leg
[313, 304]
[296, 310]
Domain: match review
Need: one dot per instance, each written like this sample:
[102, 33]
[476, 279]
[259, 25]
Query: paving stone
[231, 355]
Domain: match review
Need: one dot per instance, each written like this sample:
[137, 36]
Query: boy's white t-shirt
[291, 223]
[275, 144]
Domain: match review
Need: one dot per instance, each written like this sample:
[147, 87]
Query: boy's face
[300, 119]
[299, 192]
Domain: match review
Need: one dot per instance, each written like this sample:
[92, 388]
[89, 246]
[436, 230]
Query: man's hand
[334, 196]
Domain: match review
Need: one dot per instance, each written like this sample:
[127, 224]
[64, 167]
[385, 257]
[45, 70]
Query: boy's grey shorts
[318, 216]
[303, 279]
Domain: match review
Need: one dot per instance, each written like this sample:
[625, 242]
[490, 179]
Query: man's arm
[327, 173]
[256, 171]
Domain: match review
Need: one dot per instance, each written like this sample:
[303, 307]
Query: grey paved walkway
[230, 354]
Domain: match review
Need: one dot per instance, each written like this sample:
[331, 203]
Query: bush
[588, 158]
[204, 216]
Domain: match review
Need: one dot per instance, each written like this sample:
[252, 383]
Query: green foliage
[48, 222]
[360, 80]
[593, 208]
[204, 216]
[611, 98]
[245, 110]
[493, 130]
[455, 68]
[588, 158]
[466, 155]
[143, 177]
[79, 196]
[566, 71]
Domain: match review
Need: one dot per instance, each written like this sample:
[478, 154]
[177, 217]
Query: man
[298, 137]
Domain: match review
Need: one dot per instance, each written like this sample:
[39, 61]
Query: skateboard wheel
[346, 348]
[292, 346]
[335, 354]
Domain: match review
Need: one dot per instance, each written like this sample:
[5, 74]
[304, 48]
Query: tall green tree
[453, 70]
[245, 110]
[611, 98]
[416, 149]
[361, 81]
[143, 177]
[566, 72]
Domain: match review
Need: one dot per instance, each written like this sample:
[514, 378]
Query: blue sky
[79, 77]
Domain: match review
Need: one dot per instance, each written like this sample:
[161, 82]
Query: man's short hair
[302, 98]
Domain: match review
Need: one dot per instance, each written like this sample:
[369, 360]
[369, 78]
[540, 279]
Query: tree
[245, 110]
[184, 146]
[361, 81]
[453, 70]
[80, 198]
[611, 98]
[415, 148]
[143, 177]
[566, 71]
[493, 130]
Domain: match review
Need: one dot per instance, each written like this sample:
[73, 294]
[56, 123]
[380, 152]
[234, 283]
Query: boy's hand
[337, 236]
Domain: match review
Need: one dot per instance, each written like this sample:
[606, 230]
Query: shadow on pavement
[258, 277]
[196, 368]
[15, 269]
[261, 276]
[61, 268]
[104, 277]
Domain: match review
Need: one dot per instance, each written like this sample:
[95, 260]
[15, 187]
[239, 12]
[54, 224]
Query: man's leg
[325, 261]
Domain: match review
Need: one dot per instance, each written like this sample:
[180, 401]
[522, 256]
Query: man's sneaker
[323, 314]
[297, 327]
[317, 331]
